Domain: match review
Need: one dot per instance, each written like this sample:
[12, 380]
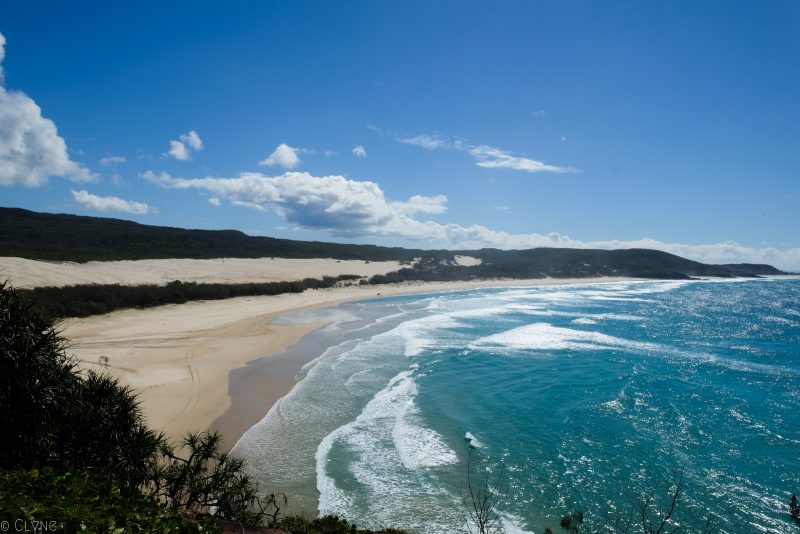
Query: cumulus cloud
[31, 151]
[345, 207]
[284, 156]
[182, 148]
[110, 161]
[485, 156]
[88, 201]
[360, 152]
[332, 203]
[214, 201]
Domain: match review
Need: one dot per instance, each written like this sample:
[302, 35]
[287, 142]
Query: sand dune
[25, 273]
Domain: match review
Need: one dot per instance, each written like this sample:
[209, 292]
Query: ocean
[586, 397]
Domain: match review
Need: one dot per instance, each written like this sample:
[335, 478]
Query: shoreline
[180, 358]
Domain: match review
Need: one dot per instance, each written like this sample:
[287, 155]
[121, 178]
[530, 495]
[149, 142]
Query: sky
[436, 124]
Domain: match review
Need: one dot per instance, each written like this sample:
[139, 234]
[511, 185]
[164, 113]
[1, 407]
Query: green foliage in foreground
[328, 524]
[55, 416]
[47, 501]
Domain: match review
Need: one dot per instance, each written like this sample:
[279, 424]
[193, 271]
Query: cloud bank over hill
[350, 208]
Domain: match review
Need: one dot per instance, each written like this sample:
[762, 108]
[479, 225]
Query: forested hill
[60, 237]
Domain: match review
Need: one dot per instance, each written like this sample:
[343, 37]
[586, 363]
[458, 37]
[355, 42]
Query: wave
[544, 336]
[385, 436]
[472, 441]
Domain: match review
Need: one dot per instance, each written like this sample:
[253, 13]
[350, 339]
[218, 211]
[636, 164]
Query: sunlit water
[589, 395]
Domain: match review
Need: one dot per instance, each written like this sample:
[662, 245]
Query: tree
[206, 479]
[663, 521]
[52, 415]
[37, 380]
[107, 432]
[483, 498]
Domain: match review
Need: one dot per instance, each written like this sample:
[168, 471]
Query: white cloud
[421, 204]
[428, 142]
[178, 150]
[112, 160]
[328, 153]
[31, 151]
[214, 201]
[182, 148]
[377, 129]
[539, 113]
[283, 155]
[360, 152]
[345, 207]
[484, 155]
[332, 203]
[502, 208]
[2, 55]
[88, 201]
[495, 158]
[193, 140]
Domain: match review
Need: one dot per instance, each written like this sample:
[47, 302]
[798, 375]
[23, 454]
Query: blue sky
[673, 125]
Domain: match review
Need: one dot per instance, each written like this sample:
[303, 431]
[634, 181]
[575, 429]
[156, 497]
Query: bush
[47, 501]
[206, 479]
[55, 417]
[328, 524]
[93, 299]
[37, 380]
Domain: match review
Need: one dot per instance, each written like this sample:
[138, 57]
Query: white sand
[178, 357]
[24, 273]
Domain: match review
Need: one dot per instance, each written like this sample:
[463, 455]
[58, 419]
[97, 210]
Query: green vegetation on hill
[568, 263]
[59, 237]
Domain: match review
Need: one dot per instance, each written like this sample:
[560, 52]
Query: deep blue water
[589, 396]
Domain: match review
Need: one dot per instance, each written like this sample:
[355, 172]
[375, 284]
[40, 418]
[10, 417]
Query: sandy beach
[179, 357]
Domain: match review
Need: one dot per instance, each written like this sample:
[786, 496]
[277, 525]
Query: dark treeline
[93, 299]
[568, 263]
[61, 237]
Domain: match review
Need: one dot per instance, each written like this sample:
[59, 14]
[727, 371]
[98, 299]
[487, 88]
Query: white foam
[420, 447]
[472, 441]
[390, 417]
[583, 320]
[507, 523]
[543, 336]
[420, 334]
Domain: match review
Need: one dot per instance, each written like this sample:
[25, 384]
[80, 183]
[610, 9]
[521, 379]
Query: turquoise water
[588, 395]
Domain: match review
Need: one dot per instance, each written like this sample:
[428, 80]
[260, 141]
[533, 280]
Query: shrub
[39, 500]
[52, 415]
[206, 479]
